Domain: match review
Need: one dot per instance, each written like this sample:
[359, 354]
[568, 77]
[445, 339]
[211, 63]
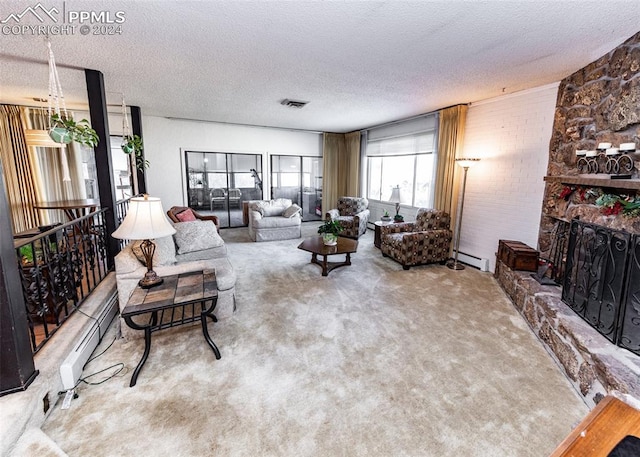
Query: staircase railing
[58, 269]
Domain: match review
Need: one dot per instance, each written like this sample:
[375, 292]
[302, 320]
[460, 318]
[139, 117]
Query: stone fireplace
[599, 103]
[601, 281]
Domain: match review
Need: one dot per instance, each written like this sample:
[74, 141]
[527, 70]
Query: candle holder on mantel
[615, 162]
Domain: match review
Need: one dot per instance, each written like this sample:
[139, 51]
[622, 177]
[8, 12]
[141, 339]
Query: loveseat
[271, 220]
[427, 240]
[195, 246]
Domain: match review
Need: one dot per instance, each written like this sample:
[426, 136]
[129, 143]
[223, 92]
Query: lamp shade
[145, 220]
[466, 162]
[395, 195]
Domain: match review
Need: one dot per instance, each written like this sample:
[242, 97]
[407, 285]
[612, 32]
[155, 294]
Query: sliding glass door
[218, 183]
[298, 178]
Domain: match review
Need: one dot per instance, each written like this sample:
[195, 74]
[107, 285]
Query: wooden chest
[517, 255]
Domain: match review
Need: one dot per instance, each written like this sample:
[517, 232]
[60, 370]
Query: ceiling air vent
[293, 103]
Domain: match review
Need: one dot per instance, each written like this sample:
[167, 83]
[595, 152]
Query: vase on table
[329, 239]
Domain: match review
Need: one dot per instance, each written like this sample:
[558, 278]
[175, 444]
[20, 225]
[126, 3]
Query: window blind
[413, 136]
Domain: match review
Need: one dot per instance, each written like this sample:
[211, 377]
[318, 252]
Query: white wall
[504, 190]
[165, 141]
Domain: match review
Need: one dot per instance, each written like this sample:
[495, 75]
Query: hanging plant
[62, 128]
[132, 145]
[65, 130]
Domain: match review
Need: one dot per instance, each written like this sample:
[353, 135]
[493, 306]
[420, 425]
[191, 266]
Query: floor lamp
[465, 164]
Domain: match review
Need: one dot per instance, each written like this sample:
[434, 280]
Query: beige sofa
[272, 220]
[174, 255]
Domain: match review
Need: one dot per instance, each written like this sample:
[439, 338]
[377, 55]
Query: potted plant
[66, 129]
[398, 218]
[132, 144]
[385, 217]
[329, 231]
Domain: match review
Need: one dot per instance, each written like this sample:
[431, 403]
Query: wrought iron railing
[122, 206]
[58, 269]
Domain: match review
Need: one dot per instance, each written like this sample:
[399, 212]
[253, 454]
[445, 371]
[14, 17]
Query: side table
[376, 232]
[180, 299]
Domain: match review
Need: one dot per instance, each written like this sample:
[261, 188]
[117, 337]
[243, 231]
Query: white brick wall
[503, 198]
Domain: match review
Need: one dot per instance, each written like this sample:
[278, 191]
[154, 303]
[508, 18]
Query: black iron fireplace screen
[602, 281]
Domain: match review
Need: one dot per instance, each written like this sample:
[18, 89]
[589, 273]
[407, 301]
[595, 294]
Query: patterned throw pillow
[292, 211]
[186, 215]
[196, 236]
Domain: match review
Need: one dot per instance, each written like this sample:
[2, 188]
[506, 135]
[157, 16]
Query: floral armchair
[353, 215]
[427, 240]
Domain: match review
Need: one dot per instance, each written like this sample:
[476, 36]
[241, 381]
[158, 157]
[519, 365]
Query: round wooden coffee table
[316, 247]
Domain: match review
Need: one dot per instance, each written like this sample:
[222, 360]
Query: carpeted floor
[369, 361]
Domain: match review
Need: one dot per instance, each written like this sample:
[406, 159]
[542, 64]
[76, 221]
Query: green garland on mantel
[611, 204]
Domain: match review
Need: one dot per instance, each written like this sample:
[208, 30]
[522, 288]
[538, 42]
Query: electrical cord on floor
[95, 319]
[105, 350]
[120, 369]
[120, 366]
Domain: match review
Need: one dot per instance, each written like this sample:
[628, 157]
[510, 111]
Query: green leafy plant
[65, 130]
[330, 226]
[26, 253]
[132, 144]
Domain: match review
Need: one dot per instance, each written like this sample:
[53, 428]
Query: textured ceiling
[358, 63]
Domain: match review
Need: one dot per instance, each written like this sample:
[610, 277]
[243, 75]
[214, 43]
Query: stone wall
[594, 365]
[598, 103]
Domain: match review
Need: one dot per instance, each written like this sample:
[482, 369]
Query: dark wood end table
[316, 247]
[180, 299]
[377, 240]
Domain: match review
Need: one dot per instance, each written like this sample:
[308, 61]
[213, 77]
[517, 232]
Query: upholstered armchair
[427, 240]
[353, 214]
[176, 210]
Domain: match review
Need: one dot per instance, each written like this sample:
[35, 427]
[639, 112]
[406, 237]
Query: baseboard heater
[71, 368]
[480, 264]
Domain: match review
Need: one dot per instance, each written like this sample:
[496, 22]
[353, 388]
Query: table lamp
[465, 163]
[145, 221]
[395, 198]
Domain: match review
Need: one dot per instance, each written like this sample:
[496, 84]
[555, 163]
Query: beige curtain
[450, 139]
[341, 168]
[352, 164]
[18, 169]
[332, 151]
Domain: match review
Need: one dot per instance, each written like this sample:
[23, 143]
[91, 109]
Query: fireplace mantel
[596, 180]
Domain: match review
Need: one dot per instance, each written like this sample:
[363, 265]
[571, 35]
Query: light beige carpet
[369, 361]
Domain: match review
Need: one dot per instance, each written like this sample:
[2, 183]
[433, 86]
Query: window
[121, 169]
[403, 154]
[298, 178]
[219, 183]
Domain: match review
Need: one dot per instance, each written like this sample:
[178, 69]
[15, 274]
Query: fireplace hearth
[602, 281]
